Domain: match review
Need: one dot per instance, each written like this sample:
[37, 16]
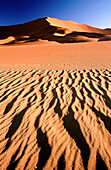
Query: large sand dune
[50, 29]
[55, 119]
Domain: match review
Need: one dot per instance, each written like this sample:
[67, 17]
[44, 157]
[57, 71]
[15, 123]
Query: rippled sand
[55, 119]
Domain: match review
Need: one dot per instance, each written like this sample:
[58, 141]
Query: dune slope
[55, 119]
[51, 29]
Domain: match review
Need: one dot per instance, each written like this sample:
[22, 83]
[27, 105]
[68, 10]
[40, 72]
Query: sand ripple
[55, 119]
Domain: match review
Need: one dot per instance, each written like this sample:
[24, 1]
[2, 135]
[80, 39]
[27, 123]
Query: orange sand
[55, 103]
[57, 56]
[55, 119]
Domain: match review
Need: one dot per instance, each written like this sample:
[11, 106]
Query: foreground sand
[55, 119]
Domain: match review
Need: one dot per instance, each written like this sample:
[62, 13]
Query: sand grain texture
[55, 119]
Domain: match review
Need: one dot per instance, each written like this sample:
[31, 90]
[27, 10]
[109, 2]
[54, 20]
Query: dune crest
[73, 26]
[8, 40]
[51, 29]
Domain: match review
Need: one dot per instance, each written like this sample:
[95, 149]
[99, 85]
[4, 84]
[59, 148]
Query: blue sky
[93, 12]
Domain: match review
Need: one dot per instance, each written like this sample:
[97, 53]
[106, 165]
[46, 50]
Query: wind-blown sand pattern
[55, 119]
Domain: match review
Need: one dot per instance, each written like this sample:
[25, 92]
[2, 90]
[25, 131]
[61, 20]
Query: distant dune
[106, 38]
[108, 29]
[50, 29]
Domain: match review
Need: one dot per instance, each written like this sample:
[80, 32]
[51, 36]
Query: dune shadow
[10, 105]
[100, 164]
[105, 119]
[45, 149]
[61, 163]
[73, 128]
[86, 34]
[14, 126]
[106, 38]
[105, 96]
[16, 122]
[13, 162]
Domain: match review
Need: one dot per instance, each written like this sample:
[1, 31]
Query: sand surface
[53, 55]
[55, 97]
[55, 119]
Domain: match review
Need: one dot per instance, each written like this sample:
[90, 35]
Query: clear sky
[92, 12]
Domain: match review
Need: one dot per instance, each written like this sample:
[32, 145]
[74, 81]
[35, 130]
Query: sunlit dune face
[51, 29]
[8, 40]
[21, 37]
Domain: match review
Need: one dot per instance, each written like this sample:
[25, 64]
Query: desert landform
[55, 96]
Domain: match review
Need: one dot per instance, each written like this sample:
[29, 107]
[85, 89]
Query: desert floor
[55, 106]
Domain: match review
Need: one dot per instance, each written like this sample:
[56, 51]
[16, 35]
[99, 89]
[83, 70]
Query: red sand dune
[51, 29]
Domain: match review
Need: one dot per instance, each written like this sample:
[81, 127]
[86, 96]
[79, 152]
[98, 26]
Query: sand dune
[55, 98]
[73, 26]
[106, 38]
[9, 40]
[55, 119]
[51, 29]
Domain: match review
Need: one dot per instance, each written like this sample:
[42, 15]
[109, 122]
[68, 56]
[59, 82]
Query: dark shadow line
[45, 149]
[10, 105]
[14, 163]
[105, 119]
[16, 122]
[100, 164]
[107, 99]
[61, 163]
[73, 128]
